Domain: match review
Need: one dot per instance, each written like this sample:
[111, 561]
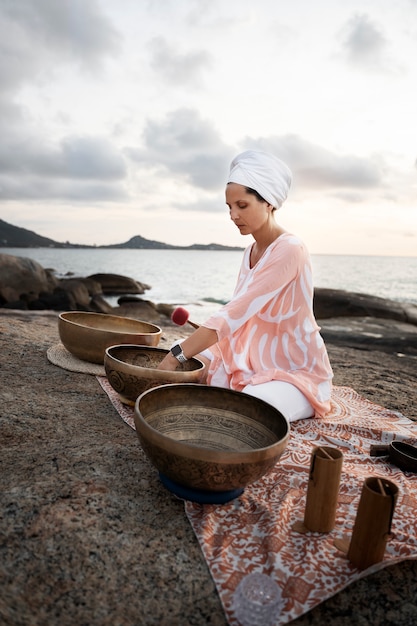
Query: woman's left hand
[169, 362]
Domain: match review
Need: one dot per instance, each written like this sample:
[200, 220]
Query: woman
[265, 342]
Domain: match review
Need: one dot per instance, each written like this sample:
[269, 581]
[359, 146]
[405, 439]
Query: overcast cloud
[365, 45]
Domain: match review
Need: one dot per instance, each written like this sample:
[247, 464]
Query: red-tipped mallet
[180, 317]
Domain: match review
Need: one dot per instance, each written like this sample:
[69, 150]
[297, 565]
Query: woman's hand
[169, 362]
[198, 341]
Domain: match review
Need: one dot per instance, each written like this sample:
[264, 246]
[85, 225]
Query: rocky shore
[88, 535]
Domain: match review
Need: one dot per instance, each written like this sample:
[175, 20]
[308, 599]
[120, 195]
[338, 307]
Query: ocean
[201, 280]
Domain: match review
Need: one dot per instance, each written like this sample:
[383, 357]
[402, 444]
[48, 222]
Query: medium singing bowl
[132, 370]
[209, 438]
[87, 335]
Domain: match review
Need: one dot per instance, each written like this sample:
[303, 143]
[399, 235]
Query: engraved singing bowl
[131, 370]
[87, 335]
[209, 438]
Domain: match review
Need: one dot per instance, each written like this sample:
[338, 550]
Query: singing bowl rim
[65, 317]
[187, 450]
[167, 374]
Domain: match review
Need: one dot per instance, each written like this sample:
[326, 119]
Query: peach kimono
[268, 330]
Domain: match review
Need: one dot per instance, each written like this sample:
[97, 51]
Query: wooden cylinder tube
[323, 489]
[373, 522]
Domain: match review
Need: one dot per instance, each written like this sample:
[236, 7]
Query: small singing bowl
[400, 453]
[87, 335]
[209, 438]
[132, 370]
[404, 455]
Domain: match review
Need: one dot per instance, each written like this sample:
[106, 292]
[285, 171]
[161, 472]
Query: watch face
[176, 350]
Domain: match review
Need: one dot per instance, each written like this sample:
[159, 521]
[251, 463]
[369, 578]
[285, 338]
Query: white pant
[283, 396]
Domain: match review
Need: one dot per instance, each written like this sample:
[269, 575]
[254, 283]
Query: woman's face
[246, 210]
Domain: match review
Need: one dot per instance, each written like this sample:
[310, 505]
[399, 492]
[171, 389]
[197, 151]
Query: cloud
[186, 146]
[89, 157]
[32, 188]
[77, 168]
[72, 158]
[215, 203]
[316, 167]
[178, 68]
[37, 36]
[364, 44]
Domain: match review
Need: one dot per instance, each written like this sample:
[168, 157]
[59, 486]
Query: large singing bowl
[209, 438]
[132, 370]
[87, 335]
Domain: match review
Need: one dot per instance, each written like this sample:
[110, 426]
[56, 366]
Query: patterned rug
[255, 532]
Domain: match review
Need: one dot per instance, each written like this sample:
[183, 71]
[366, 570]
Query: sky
[121, 117]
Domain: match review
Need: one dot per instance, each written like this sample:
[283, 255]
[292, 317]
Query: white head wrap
[264, 173]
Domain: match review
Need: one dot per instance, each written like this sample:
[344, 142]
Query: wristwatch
[176, 350]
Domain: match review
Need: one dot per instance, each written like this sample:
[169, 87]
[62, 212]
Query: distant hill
[16, 237]
[139, 242]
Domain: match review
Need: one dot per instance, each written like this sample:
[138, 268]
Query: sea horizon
[195, 247]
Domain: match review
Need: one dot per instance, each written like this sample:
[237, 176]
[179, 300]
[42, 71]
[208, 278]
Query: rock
[15, 304]
[165, 309]
[370, 333]
[26, 285]
[82, 290]
[128, 299]
[59, 300]
[20, 275]
[99, 305]
[79, 292]
[340, 303]
[113, 284]
[89, 533]
[140, 310]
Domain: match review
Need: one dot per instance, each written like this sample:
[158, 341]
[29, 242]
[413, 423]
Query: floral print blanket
[257, 531]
